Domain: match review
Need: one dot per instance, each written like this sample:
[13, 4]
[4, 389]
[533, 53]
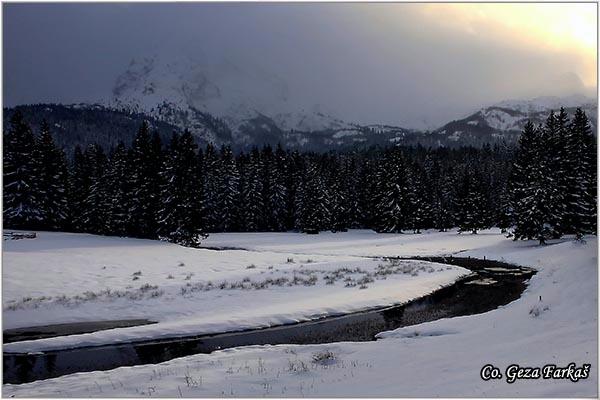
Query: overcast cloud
[391, 63]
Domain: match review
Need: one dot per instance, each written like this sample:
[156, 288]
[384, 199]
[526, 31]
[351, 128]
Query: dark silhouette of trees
[543, 189]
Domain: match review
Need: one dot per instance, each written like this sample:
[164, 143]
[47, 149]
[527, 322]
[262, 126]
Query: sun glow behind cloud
[409, 64]
[555, 27]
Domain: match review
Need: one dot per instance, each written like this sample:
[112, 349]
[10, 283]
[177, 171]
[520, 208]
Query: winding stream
[492, 284]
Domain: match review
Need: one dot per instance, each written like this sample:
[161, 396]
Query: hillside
[82, 124]
[505, 120]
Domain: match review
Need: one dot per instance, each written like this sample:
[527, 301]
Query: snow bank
[360, 243]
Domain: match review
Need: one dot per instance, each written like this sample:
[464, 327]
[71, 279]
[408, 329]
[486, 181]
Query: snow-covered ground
[61, 278]
[554, 322]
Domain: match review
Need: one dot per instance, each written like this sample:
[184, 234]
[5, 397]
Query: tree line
[545, 188]
[553, 182]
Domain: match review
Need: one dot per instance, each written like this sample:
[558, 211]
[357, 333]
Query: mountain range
[505, 120]
[223, 103]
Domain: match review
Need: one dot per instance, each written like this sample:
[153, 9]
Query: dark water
[74, 328]
[485, 290]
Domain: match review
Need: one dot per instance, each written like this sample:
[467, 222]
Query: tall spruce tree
[560, 164]
[228, 192]
[96, 205]
[180, 216]
[211, 177]
[22, 198]
[339, 199]
[118, 191]
[311, 203]
[533, 185]
[52, 181]
[350, 172]
[276, 195]
[504, 212]
[442, 189]
[252, 200]
[145, 165]
[581, 194]
[367, 195]
[420, 195]
[79, 187]
[296, 167]
[393, 202]
[470, 201]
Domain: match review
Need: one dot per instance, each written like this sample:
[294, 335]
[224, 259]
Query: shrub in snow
[324, 358]
[147, 287]
[297, 366]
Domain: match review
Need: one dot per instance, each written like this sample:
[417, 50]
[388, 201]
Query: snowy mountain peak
[506, 119]
[221, 89]
[179, 90]
[223, 102]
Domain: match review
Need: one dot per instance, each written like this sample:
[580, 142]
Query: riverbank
[61, 278]
[491, 285]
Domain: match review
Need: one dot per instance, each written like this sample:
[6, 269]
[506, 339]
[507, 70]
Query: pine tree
[393, 194]
[145, 164]
[441, 184]
[118, 191]
[96, 205]
[499, 198]
[581, 194]
[21, 201]
[252, 206]
[211, 175]
[535, 193]
[228, 192]
[470, 202]
[367, 196]
[311, 204]
[504, 212]
[489, 182]
[295, 170]
[169, 215]
[350, 172]
[562, 168]
[444, 206]
[420, 194]
[276, 194]
[339, 199]
[79, 187]
[348, 213]
[180, 216]
[52, 181]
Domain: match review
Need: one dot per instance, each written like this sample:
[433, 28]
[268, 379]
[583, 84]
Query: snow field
[439, 358]
[61, 278]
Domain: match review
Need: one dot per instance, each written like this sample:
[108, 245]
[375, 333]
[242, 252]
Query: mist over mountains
[246, 106]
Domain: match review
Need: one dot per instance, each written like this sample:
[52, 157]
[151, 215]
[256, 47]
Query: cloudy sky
[409, 64]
